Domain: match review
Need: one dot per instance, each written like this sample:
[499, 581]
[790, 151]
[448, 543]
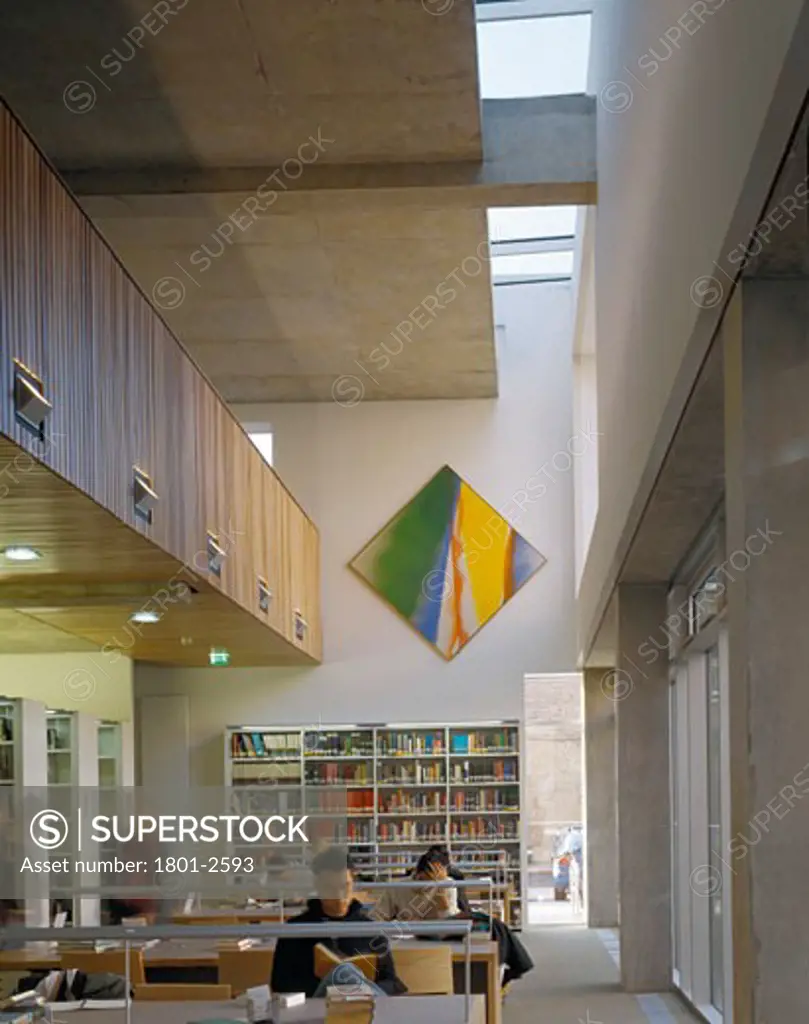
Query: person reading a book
[313, 965]
[427, 904]
[434, 903]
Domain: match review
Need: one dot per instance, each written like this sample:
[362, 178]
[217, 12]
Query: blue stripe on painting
[435, 585]
[526, 561]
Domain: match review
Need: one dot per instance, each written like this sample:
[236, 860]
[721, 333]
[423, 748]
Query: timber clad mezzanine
[126, 394]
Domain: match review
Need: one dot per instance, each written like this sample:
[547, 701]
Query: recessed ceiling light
[21, 554]
[144, 615]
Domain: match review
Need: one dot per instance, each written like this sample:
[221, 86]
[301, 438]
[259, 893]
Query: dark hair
[333, 858]
[436, 855]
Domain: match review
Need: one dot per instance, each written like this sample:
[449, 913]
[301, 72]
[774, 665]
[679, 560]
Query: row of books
[260, 773]
[408, 743]
[501, 771]
[397, 831]
[334, 774]
[484, 828]
[265, 744]
[7, 724]
[339, 744]
[484, 800]
[360, 832]
[484, 741]
[412, 773]
[326, 801]
[6, 764]
[396, 801]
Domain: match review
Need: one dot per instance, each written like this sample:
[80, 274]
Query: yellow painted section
[96, 683]
[485, 536]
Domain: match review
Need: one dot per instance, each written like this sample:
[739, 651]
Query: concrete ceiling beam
[536, 152]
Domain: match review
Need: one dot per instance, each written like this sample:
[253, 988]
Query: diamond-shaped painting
[447, 562]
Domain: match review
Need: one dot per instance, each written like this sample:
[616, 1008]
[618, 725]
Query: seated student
[429, 903]
[294, 965]
[407, 904]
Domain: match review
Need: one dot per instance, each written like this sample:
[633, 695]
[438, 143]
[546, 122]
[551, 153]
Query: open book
[327, 959]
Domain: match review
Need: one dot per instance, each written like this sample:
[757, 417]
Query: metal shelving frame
[375, 853]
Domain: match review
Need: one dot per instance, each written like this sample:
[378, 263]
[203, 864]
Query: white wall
[76, 681]
[352, 468]
[675, 182]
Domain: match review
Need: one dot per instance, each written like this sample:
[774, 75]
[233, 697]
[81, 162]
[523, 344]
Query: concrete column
[766, 349]
[640, 692]
[600, 801]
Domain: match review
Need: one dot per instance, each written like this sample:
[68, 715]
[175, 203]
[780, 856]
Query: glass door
[700, 826]
[715, 891]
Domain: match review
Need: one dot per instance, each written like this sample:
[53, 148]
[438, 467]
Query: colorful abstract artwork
[447, 562]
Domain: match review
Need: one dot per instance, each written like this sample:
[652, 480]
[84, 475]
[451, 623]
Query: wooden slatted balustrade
[125, 393]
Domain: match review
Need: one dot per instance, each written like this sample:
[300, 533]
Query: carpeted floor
[576, 980]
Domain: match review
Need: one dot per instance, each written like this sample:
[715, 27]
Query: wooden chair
[110, 961]
[245, 968]
[426, 972]
[160, 993]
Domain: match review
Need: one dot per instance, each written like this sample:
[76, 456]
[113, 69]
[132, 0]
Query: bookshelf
[8, 741]
[60, 746]
[23, 766]
[404, 787]
[111, 755]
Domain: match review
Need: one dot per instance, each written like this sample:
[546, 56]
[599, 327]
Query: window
[706, 602]
[531, 56]
[537, 266]
[530, 223]
[532, 243]
[263, 441]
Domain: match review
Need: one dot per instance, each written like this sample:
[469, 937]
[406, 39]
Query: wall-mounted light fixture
[31, 407]
[264, 595]
[144, 496]
[216, 555]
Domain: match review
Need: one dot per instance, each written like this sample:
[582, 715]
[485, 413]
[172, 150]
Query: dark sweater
[293, 963]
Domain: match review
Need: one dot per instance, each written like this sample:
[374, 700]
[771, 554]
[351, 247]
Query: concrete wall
[683, 102]
[352, 468]
[92, 683]
[553, 760]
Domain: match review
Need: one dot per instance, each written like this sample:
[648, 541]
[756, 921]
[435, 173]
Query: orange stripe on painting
[508, 566]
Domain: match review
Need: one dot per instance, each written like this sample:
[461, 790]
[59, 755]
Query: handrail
[351, 929]
[370, 929]
[405, 883]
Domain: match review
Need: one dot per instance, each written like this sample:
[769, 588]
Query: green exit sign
[219, 656]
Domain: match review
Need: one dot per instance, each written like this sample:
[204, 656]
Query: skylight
[518, 268]
[263, 441]
[524, 223]
[533, 56]
[532, 243]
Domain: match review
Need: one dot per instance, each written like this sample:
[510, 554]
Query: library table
[388, 1010]
[189, 960]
